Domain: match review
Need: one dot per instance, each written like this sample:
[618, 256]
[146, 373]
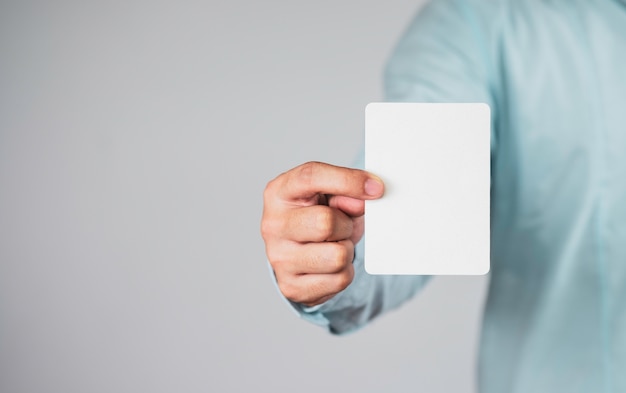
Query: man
[553, 73]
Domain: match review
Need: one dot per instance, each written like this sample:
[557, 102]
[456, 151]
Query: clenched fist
[312, 218]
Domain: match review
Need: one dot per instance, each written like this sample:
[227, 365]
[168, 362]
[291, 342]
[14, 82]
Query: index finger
[311, 178]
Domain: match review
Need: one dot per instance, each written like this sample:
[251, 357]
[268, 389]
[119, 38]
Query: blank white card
[435, 162]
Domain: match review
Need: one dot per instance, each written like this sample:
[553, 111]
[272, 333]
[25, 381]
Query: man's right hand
[312, 218]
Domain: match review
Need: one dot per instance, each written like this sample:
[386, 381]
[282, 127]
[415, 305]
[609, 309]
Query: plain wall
[136, 138]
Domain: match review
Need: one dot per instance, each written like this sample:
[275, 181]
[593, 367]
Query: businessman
[553, 73]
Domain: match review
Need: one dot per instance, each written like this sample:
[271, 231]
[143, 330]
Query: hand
[312, 218]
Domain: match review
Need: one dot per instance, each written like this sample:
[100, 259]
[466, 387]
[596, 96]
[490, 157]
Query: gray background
[135, 141]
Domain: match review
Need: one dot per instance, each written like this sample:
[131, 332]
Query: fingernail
[373, 187]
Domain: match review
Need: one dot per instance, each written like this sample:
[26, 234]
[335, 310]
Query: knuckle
[339, 257]
[348, 246]
[324, 222]
[306, 174]
[343, 253]
[274, 258]
[267, 228]
[344, 279]
[290, 291]
[320, 288]
[313, 261]
[271, 227]
[307, 171]
[270, 189]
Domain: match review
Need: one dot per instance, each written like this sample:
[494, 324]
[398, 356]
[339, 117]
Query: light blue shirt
[554, 74]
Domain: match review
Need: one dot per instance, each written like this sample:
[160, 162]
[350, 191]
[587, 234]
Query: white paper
[435, 162]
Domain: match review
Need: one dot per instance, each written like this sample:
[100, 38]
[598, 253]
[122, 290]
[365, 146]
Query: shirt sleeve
[443, 56]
